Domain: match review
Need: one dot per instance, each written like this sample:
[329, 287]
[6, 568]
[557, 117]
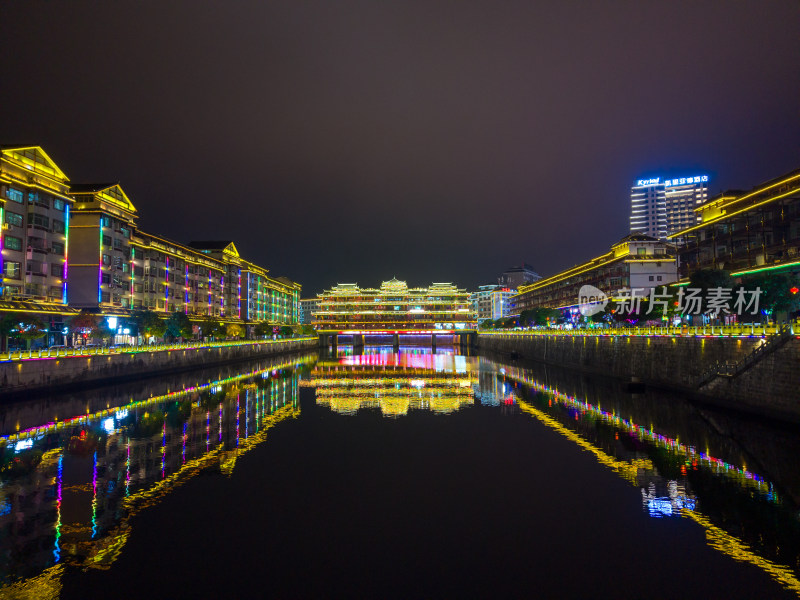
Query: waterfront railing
[53, 353]
[740, 330]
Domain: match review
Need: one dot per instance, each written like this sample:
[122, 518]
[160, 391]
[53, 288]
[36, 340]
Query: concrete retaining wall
[25, 376]
[771, 387]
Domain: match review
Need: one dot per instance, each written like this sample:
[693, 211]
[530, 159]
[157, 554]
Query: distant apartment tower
[516, 276]
[492, 302]
[660, 208]
[308, 306]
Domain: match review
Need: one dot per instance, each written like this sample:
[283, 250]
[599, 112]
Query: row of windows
[12, 269]
[34, 197]
[36, 219]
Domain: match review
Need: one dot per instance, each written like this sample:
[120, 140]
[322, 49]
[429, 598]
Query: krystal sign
[671, 182]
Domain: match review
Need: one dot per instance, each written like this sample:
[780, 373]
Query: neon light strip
[2, 265]
[166, 286]
[186, 290]
[133, 264]
[239, 295]
[66, 254]
[100, 264]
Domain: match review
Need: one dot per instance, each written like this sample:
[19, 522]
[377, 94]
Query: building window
[14, 219]
[14, 195]
[105, 222]
[11, 269]
[658, 278]
[105, 278]
[58, 226]
[106, 259]
[13, 243]
[106, 240]
[56, 270]
[38, 220]
[651, 278]
[58, 248]
[105, 297]
[58, 204]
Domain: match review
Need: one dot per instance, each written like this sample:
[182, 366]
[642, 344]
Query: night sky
[432, 141]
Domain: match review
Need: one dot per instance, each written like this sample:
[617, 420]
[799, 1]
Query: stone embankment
[40, 374]
[770, 387]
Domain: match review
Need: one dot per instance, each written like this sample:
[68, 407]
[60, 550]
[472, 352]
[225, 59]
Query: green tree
[539, 316]
[286, 331]
[307, 330]
[149, 324]
[179, 326]
[83, 322]
[7, 326]
[234, 330]
[102, 331]
[776, 291]
[211, 327]
[706, 279]
[29, 328]
[263, 329]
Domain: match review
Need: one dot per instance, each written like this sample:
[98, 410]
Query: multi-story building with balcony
[103, 222]
[169, 277]
[745, 232]
[68, 247]
[249, 293]
[394, 307]
[35, 213]
[637, 261]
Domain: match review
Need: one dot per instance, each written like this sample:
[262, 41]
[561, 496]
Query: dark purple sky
[432, 141]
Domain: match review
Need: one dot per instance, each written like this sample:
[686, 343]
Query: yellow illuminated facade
[745, 232]
[394, 307]
[35, 209]
[103, 222]
[636, 261]
[67, 247]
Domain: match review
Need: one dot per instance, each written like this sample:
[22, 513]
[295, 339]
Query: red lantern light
[794, 289]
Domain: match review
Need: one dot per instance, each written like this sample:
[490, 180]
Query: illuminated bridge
[441, 312]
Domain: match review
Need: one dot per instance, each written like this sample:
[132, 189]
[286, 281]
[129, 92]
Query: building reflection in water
[414, 378]
[741, 512]
[69, 488]
[68, 491]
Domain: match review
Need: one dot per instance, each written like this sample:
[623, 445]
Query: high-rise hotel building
[660, 208]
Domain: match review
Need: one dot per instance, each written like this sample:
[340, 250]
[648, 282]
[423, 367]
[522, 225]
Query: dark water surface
[379, 474]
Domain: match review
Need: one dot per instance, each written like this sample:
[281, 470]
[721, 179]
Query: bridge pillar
[358, 341]
[433, 342]
[396, 342]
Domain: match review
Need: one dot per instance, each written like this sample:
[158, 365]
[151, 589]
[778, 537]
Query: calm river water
[382, 474]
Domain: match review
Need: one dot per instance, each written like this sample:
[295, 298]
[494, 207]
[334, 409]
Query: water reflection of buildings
[413, 379]
[740, 512]
[66, 495]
